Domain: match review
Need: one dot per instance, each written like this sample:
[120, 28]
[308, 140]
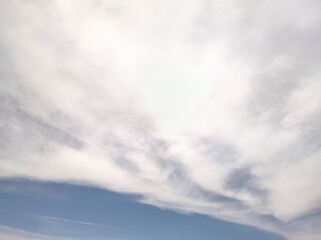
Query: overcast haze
[207, 107]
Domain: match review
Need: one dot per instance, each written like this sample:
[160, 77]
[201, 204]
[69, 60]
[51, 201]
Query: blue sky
[76, 212]
[208, 111]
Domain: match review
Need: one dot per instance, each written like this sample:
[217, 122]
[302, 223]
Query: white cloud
[210, 107]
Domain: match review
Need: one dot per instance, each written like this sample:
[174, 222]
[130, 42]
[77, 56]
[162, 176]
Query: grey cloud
[217, 150]
[309, 223]
[242, 179]
[21, 131]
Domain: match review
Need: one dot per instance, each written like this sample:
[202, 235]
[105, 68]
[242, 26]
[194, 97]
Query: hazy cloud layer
[211, 107]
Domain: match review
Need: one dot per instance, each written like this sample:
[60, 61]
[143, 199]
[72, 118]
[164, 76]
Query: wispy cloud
[55, 219]
[198, 106]
[17, 234]
[46, 218]
[9, 233]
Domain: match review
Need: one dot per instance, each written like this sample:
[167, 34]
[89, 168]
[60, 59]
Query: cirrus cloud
[210, 107]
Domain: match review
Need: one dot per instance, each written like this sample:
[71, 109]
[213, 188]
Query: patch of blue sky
[79, 212]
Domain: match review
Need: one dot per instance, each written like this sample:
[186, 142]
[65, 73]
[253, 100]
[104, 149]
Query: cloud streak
[17, 234]
[210, 107]
[46, 218]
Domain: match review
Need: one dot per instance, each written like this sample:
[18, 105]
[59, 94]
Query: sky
[55, 211]
[160, 119]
